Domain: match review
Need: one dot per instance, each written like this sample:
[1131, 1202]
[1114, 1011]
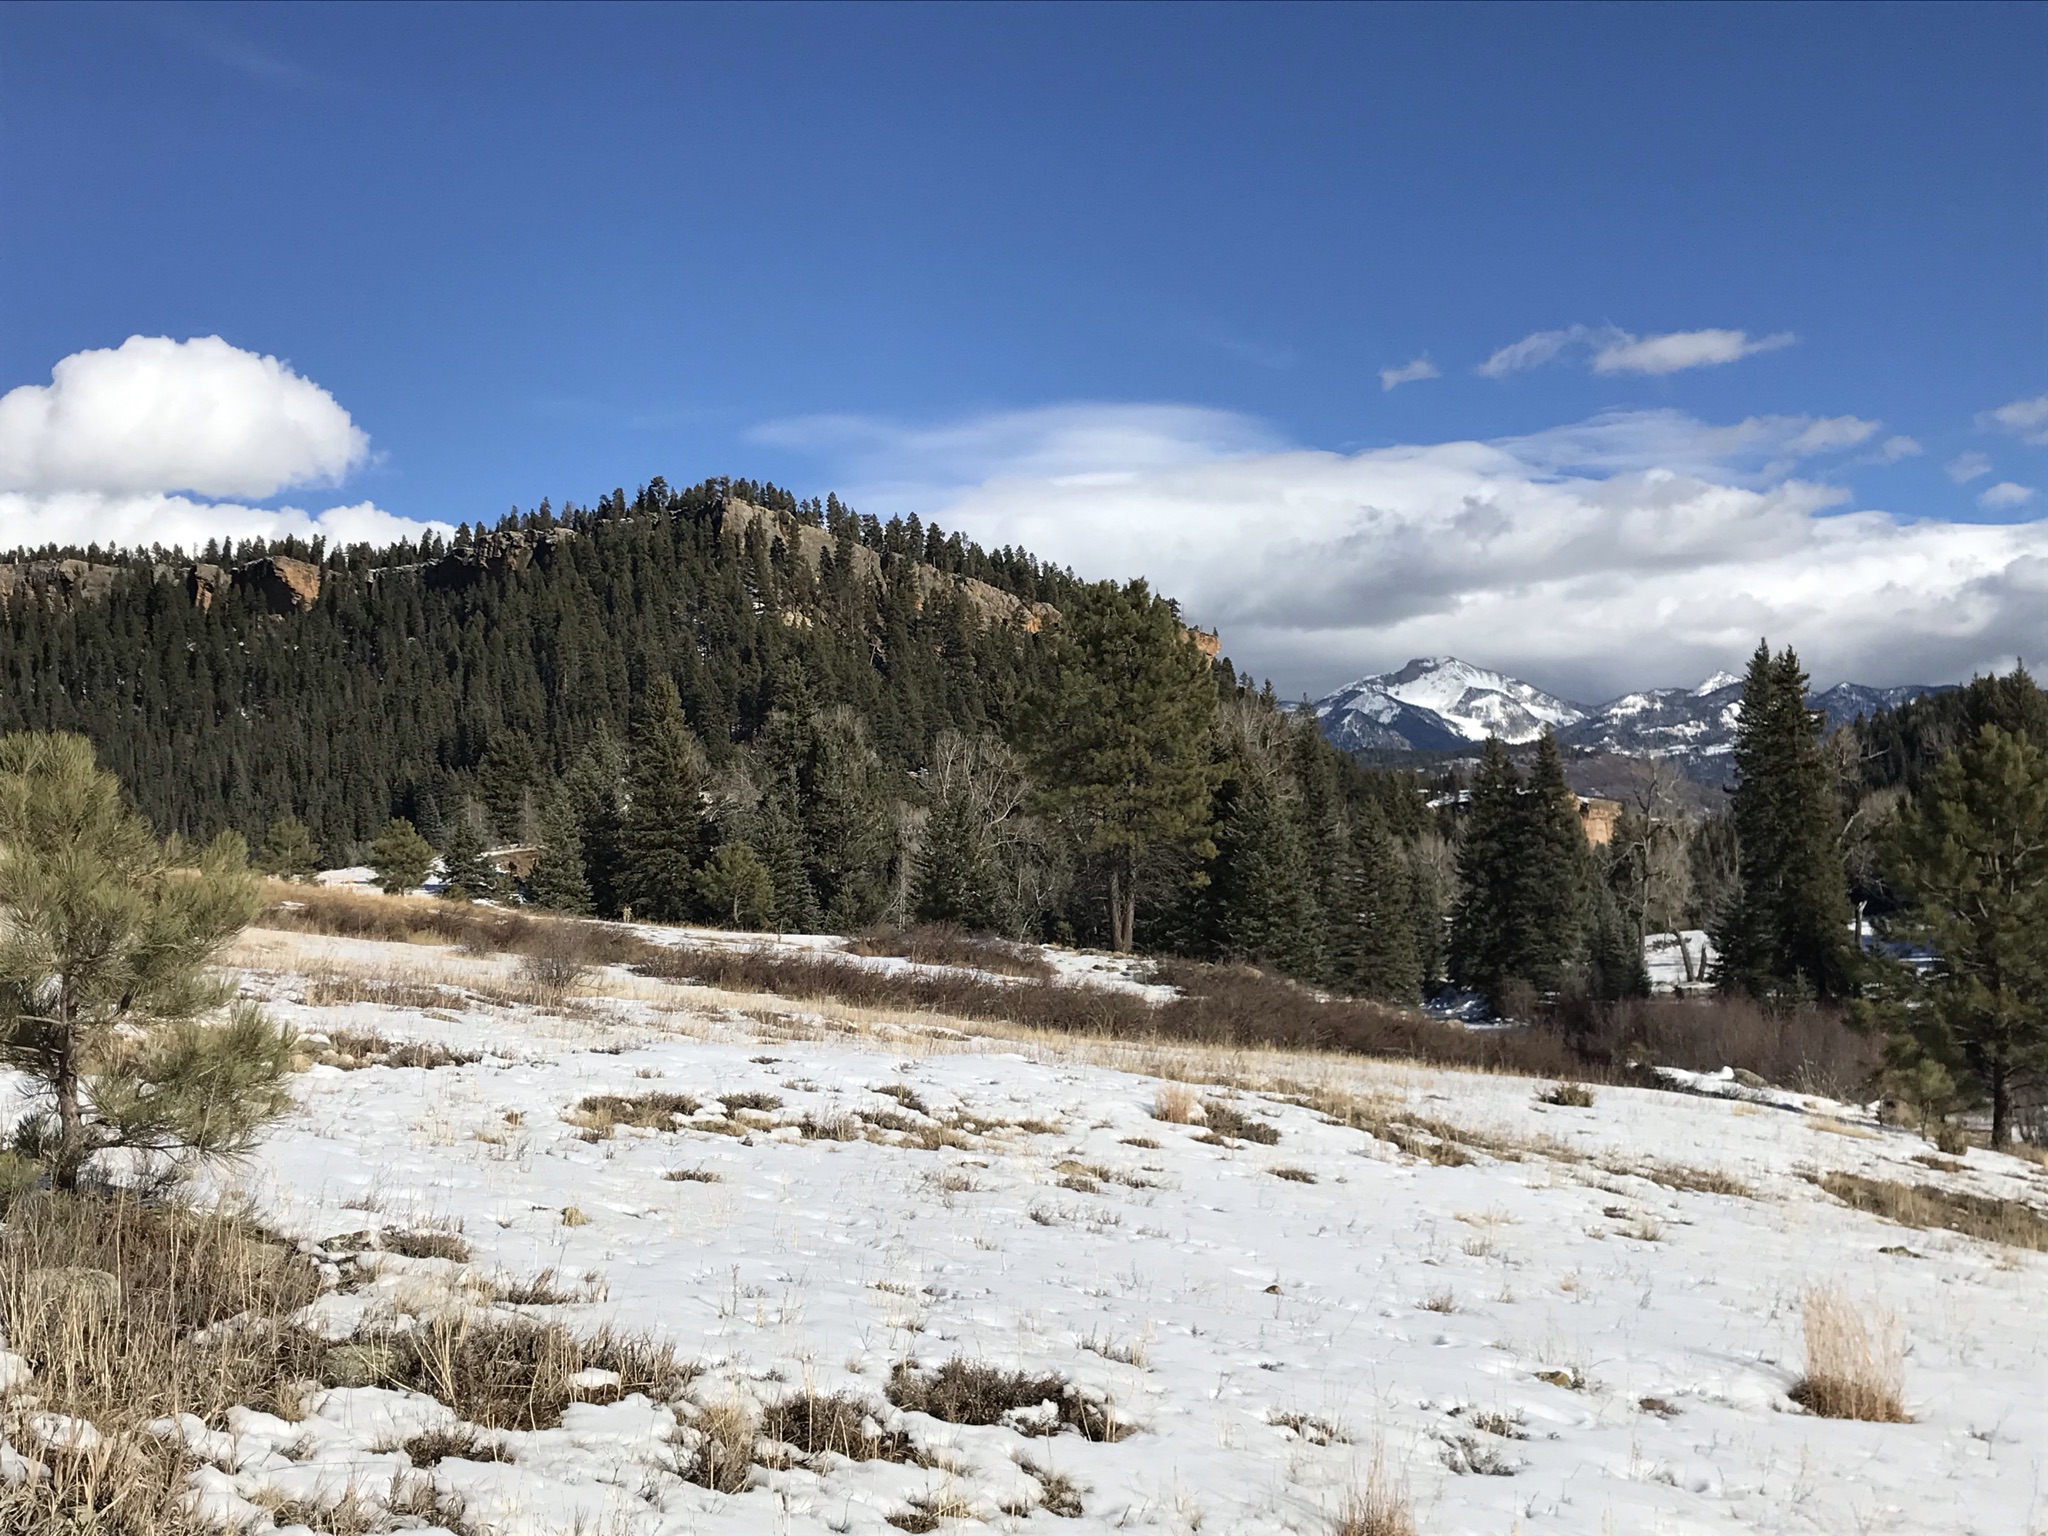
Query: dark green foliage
[1371, 922]
[1897, 747]
[662, 834]
[1972, 851]
[955, 879]
[466, 874]
[1786, 932]
[288, 851]
[595, 791]
[1614, 950]
[401, 858]
[778, 837]
[734, 888]
[1121, 740]
[109, 1007]
[1259, 905]
[1522, 912]
[557, 880]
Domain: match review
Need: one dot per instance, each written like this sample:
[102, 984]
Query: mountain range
[1442, 704]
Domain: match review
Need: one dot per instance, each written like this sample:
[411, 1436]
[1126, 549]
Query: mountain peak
[1439, 703]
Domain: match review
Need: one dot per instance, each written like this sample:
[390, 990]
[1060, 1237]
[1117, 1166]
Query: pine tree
[1123, 739]
[1259, 905]
[662, 835]
[849, 825]
[1786, 934]
[401, 858]
[1372, 920]
[778, 838]
[595, 790]
[288, 851]
[1555, 872]
[735, 888]
[1489, 923]
[954, 878]
[557, 881]
[107, 1002]
[466, 873]
[1973, 852]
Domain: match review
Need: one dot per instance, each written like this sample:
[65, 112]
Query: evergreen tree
[1614, 950]
[1490, 922]
[1122, 745]
[466, 873]
[594, 788]
[1372, 921]
[1555, 871]
[288, 851]
[1787, 931]
[735, 888]
[1973, 852]
[661, 837]
[504, 782]
[401, 858]
[849, 826]
[557, 881]
[107, 1003]
[778, 838]
[955, 879]
[1259, 904]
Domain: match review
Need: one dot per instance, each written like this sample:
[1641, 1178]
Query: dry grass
[1568, 1096]
[1058, 1494]
[964, 1391]
[841, 1424]
[1855, 1366]
[1223, 1120]
[353, 1049]
[1926, 1205]
[1379, 1508]
[722, 1456]
[649, 1111]
[1174, 1103]
[1293, 1175]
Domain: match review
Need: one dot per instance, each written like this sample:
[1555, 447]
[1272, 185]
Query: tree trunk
[71, 1125]
[1123, 908]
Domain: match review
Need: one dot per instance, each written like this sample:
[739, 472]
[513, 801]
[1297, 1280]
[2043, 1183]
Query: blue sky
[1118, 281]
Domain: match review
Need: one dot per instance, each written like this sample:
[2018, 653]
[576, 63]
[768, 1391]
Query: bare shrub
[516, 1374]
[963, 1391]
[650, 1111]
[949, 944]
[1295, 1175]
[1855, 1367]
[841, 1424]
[426, 1245]
[556, 959]
[722, 1459]
[1568, 1096]
[464, 1443]
[1223, 1120]
[1174, 1103]
[1058, 1494]
[353, 1049]
[2011, 1222]
[1812, 1049]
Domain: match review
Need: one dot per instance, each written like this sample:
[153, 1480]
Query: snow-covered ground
[1556, 1336]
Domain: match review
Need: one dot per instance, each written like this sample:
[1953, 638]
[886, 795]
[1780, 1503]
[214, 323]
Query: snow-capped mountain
[1438, 704]
[1441, 704]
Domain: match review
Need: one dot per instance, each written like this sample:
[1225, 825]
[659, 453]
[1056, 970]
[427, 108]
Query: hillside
[1205, 1290]
[348, 686]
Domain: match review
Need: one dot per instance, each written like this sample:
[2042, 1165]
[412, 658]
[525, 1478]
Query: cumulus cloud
[2026, 420]
[1893, 449]
[1617, 351]
[1409, 373]
[2004, 496]
[1965, 467]
[1636, 549]
[127, 445]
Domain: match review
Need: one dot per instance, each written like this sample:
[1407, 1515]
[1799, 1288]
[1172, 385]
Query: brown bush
[949, 944]
[1810, 1049]
[963, 1391]
[1855, 1368]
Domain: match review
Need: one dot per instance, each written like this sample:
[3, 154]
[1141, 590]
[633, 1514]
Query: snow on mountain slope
[1564, 1334]
[1438, 702]
[1441, 704]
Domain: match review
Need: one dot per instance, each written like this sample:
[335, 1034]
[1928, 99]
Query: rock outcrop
[991, 606]
[511, 549]
[283, 585]
[66, 581]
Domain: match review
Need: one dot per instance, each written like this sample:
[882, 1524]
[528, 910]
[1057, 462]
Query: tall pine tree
[1372, 920]
[661, 837]
[1786, 933]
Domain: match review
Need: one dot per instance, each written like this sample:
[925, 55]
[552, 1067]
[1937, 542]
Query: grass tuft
[1855, 1366]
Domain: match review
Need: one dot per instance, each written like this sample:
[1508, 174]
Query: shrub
[1568, 1096]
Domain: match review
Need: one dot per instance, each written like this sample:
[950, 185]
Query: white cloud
[1965, 467]
[1893, 449]
[1532, 351]
[1679, 350]
[2025, 419]
[1409, 373]
[122, 442]
[1617, 351]
[1635, 549]
[2004, 496]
